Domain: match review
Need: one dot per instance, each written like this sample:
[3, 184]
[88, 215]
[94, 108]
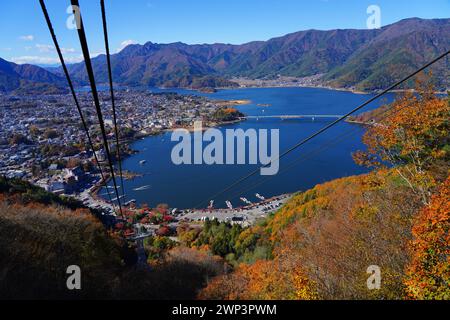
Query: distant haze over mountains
[360, 59]
[27, 78]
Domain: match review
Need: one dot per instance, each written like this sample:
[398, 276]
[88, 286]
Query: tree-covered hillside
[361, 59]
[42, 235]
[322, 242]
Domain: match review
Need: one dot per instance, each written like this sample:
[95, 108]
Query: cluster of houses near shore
[42, 139]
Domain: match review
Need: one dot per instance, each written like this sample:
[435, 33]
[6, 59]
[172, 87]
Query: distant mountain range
[29, 79]
[360, 59]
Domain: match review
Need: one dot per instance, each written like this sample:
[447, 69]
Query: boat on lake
[142, 188]
[130, 202]
[115, 199]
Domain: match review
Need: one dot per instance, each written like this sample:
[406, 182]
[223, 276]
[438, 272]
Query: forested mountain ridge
[27, 78]
[363, 59]
[358, 59]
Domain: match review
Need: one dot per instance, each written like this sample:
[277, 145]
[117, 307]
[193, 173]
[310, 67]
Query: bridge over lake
[295, 116]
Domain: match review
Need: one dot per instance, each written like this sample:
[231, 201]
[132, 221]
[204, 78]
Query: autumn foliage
[429, 271]
[324, 239]
[413, 136]
[263, 280]
[317, 246]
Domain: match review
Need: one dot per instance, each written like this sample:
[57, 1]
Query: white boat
[260, 197]
[142, 188]
[115, 199]
[142, 162]
[244, 200]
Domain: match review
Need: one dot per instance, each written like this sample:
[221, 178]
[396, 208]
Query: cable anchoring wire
[90, 72]
[113, 100]
[72, 90]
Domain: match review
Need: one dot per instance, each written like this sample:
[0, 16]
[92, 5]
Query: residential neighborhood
[42, 139]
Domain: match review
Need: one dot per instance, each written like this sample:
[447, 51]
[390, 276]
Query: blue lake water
[326, 157]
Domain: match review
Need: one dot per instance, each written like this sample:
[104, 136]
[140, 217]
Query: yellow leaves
[439, 154]
[374, 180]
[364, 211]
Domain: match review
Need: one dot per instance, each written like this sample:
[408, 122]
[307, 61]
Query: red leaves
[167, 218]
[164, 231]
[119, 226]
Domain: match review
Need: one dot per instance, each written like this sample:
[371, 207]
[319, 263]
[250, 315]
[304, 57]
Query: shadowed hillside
[40, 239]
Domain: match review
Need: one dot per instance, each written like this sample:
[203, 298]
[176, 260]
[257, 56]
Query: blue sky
[25, 38]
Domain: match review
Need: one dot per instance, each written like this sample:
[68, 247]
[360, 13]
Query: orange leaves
[429, 271]
[414, 125]
[324, 239]
[365, 159]
[412, 136]
[263, 280]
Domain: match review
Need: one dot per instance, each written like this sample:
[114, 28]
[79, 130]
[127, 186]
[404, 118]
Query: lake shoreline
[321, 87]
[281, 101]
[129, 175]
